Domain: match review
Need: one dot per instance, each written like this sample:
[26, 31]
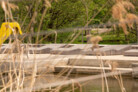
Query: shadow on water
[130, 84]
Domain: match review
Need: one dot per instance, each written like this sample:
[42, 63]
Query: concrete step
[72, 49]
[111, 50]
[134, 46]
[132, 52]
[90, 70]
[93, 62]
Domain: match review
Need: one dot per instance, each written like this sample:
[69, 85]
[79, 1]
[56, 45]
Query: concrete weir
[91, 65]
[76, 58]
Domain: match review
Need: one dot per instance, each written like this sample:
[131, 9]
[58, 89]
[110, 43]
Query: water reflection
[130, 84]
[135, 86]
[96, 85]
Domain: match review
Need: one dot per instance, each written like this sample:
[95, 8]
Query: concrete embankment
[74, 63]
[76, 58]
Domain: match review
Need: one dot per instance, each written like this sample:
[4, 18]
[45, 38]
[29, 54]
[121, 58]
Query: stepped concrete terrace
[78, 57]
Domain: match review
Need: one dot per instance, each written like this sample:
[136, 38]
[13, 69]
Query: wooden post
[88, 39]
[82, 37]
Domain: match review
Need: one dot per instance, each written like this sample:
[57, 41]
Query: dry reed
[120, 11]
[19, 75]
[95, 41]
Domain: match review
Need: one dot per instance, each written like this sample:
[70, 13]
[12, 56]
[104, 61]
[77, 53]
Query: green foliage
[67, 14]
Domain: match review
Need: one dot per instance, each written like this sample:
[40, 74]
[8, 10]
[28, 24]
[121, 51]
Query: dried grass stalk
[124, 26]
[47, 3]
[13, 6]
[27, 8]
[114, 27]
[114, 65]
[4, 7]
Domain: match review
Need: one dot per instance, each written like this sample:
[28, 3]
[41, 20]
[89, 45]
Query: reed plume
[95, 41]
[6, 6]
[120, 12]
[47, 3]
[131, 18]
[13, 6]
